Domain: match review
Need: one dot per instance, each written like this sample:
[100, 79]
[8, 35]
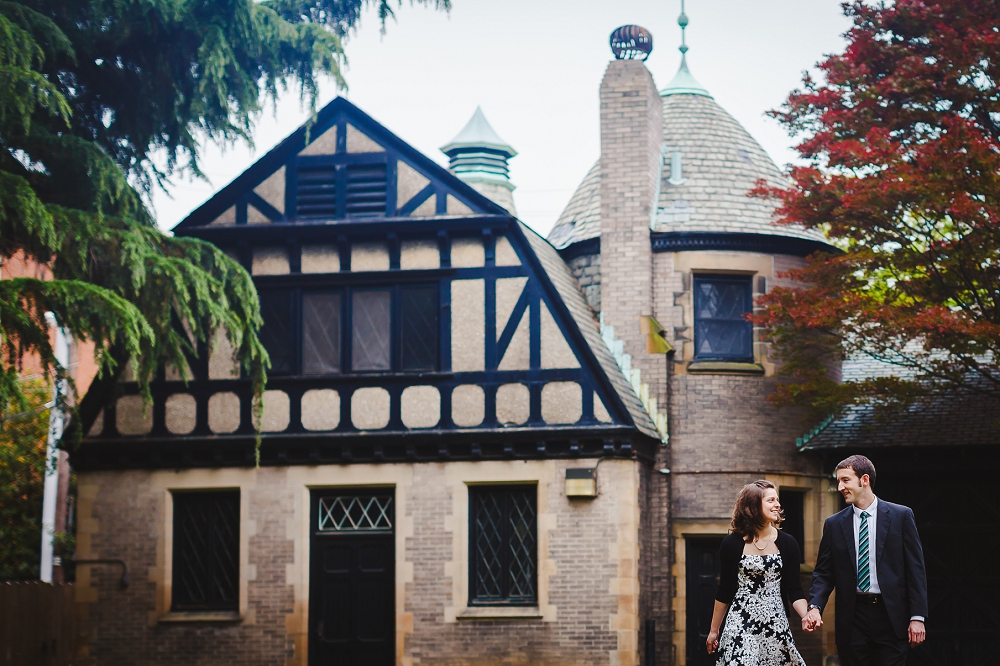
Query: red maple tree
[901, 148]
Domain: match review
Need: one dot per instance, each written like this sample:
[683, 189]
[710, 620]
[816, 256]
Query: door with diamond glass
[352, 619]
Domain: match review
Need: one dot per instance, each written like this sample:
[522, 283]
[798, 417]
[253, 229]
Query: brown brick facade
[588, 582]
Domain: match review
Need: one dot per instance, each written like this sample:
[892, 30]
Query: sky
[535, 67]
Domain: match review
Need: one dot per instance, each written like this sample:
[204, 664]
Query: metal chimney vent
[631, 42]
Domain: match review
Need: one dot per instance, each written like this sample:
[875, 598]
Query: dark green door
[352, 619]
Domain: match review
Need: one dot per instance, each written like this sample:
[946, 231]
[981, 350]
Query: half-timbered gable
[403, 311]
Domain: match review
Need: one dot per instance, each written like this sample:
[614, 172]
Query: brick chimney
[631, 136]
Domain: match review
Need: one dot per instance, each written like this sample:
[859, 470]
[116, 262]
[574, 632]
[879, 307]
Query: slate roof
[957, 418]
[581, 219]
[572, 296]
[720, 163]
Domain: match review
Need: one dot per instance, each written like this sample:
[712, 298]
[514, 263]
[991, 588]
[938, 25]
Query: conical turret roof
[719, 163]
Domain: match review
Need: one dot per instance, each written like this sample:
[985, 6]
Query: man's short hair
[861, 466]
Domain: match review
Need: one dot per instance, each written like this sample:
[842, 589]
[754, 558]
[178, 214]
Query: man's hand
[916, 633]
[812, 620]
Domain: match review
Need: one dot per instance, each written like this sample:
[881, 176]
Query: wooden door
[702, 557]
[352, 619]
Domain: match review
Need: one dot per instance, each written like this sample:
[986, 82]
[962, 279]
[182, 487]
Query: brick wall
[589, 586]
[724, 423]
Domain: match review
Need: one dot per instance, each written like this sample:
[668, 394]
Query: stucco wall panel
[468, 325]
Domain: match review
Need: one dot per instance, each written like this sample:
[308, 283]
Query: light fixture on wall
[581, 482]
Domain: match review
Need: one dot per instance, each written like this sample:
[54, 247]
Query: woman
[760, 567]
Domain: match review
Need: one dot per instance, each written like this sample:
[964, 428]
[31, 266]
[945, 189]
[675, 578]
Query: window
[721, 331]
[206, 551]
[327, 332]
[372, 330]
[503, 552]
[419, 328]
[320, 333]
[276, 334]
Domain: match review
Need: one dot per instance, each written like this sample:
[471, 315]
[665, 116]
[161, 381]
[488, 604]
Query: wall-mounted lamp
[581, 482]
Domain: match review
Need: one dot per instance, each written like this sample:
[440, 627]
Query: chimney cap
[631, 42]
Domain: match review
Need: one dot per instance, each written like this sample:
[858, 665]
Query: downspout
[56, 425]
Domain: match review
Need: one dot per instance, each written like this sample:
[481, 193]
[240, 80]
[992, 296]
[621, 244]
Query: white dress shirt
[872, 512]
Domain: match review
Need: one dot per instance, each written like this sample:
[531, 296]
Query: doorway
[352, 615]
[702, 576]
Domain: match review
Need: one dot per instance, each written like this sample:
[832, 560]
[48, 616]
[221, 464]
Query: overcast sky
[535, 67]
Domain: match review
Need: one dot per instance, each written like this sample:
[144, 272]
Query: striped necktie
[864, 573]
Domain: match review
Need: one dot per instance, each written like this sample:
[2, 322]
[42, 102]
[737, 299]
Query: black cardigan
[732, 550]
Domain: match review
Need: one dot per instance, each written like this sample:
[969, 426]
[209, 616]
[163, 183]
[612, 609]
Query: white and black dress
[756, 631]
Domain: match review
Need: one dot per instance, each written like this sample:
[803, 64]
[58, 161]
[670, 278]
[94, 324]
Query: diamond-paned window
[721, 331]
[355, 513]
[371, 348]
[276, 334]
[503, 545]
[419, 327]
[320, 333]
[206, 551]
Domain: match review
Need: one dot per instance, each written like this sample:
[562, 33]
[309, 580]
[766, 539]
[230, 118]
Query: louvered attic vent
[366, 189]
[316, 194]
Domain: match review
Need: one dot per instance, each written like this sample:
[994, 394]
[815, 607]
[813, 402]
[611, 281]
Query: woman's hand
[713, 641]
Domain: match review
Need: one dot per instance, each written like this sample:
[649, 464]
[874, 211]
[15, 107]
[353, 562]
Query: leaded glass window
[419, 328]
[276, 334]
[371, 337]
[503, 551]
[355, 513]
[206, 550]
[721, 331]
[320, 333]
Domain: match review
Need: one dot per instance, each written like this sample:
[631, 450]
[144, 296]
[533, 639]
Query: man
[871, 554]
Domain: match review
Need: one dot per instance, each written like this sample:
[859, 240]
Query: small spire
[683, 83]
[478, 156]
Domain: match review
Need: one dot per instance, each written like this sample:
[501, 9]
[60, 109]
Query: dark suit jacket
[899, 561]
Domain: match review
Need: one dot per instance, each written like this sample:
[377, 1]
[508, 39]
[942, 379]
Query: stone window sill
[500, 613]
[724, 368]
[201, 616]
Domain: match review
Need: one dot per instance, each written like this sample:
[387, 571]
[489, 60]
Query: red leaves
[902, 142]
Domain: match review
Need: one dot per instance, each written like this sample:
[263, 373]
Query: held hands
[916, 633]
[713, 641]
[812, 620]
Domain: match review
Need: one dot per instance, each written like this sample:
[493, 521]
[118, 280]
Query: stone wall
[587, 271]
[588, 579]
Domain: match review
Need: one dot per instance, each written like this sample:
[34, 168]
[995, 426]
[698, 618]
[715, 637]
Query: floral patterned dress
[757, 631]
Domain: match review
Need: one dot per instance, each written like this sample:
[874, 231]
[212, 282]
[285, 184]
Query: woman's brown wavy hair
[748, 514]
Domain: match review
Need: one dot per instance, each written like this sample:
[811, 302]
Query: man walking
[871, 554]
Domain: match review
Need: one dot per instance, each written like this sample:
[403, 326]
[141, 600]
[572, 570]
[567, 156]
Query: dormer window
[721, 331]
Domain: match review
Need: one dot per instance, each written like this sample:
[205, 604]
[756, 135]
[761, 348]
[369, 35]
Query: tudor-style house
[478, 445]
[453, 466]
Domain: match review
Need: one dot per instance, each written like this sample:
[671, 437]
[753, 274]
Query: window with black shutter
[276, 307]
[721, 331]
[206, 551]
[321, 317]
[419, 328]
[503, 550]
